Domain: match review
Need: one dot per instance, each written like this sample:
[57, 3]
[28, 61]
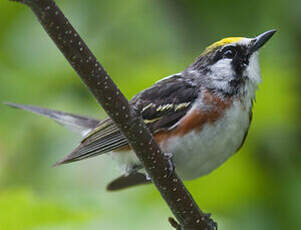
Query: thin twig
[126, 118]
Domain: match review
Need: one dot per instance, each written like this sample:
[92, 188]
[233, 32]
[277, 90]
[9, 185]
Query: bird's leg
[147, 176]
[134, 168]
[168, 157]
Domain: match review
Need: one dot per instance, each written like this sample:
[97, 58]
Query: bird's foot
[171, 164]
[132, 169]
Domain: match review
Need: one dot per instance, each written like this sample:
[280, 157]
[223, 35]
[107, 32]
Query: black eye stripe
[238, 52]
[227, 48]
[229, 52]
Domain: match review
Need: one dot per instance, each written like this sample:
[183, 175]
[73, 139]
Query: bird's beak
[260, 40]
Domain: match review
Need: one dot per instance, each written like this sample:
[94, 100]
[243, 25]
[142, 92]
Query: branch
[126, 118]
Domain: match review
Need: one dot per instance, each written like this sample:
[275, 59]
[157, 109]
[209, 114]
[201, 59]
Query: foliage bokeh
[139, 42]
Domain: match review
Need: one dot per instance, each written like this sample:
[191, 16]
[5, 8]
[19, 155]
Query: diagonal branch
[127, 119]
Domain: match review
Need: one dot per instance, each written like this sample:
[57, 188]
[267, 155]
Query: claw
[132, 169]
[147, 176]
[168, 155]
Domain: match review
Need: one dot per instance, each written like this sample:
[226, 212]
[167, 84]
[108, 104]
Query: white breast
[198, 153]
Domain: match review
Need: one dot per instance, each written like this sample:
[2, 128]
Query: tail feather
[105, 138]
[124, 181]
[99, 136]
[73, 122]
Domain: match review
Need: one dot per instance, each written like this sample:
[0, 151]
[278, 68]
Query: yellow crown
[222, 42]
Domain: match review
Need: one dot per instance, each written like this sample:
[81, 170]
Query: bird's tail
[76, 123]
[127, 181]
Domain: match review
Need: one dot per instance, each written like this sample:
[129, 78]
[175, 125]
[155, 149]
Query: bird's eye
[229, 52]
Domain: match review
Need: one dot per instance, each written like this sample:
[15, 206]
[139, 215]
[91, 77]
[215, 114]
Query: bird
[199, 117]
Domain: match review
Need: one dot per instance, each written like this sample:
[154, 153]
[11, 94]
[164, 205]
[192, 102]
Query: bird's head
[231, 65]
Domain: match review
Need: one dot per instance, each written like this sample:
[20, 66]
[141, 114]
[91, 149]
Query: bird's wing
[105, 138]
[166, 102]
[73, 122]
[161, 107]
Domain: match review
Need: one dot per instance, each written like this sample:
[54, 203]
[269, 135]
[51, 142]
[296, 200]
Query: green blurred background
[139, 42]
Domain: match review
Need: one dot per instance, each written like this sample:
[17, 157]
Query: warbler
[201, 115]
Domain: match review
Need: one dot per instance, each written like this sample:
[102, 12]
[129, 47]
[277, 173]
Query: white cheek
[254, 76]
[222, 73]
[222, 70]
[253, 69]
